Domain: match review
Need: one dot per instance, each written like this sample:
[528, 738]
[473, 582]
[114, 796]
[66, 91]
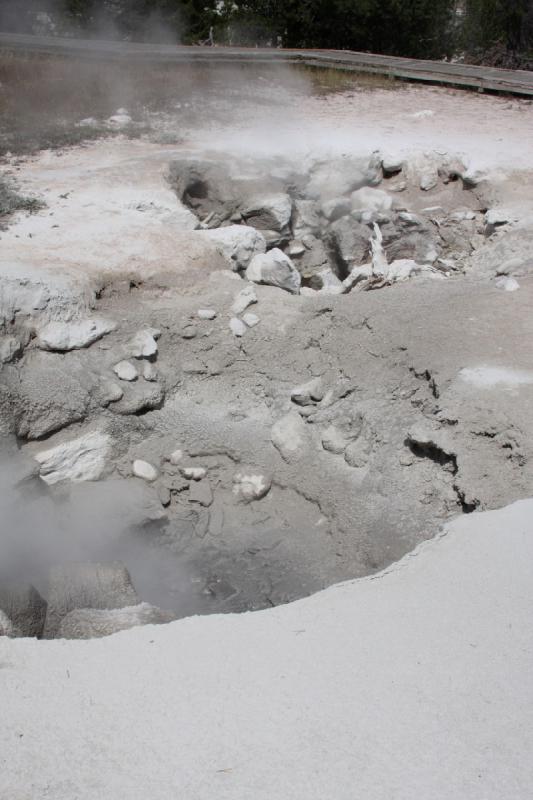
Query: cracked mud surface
[420, 409]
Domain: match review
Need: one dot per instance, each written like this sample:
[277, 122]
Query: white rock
[250, 484]
[391, 164]
[125, 371]
[307, 393]
[206, 313]
[508, 284]
[275, 269]
[251, 320]
[145, 470]
[237, 327]
[246, 297]
[63, 336]
[193, 473]
[143, 345]
[497, 216]
[368, 199]
[81, 459]
[176, 457]
[289, 436]
[270, 212]
[237, 243]
[429, 181]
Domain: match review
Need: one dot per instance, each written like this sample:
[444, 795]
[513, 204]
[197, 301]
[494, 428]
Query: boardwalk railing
[519, 82]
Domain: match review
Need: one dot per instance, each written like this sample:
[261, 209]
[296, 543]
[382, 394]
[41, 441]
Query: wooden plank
[519, 82]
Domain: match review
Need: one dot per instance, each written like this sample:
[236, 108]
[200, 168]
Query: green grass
[11, 200]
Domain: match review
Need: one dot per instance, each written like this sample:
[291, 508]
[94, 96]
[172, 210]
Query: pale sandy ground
[415, 683]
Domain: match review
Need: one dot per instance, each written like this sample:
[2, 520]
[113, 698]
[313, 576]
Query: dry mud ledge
[415, 682]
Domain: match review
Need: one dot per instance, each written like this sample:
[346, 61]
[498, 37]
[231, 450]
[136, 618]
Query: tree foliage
[415, 28]
[490, 22]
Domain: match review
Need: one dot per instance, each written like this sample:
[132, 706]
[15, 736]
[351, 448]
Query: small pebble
[250, 319]
[237, 327]
[125, 371]
[189, 332]
[176, 457]
[207, 313]
[144, 470]
[193, 473]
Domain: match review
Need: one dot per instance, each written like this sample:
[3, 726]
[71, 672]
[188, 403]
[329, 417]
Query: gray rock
[306, 220]
[289, 437]
[84, 585]
[356, 454]
[189, 332]
[144, 345]
[314, 259]
[24, 607]
[10, 348]
[334, 440]
[91, 623]
[140, 397]
[237, 243]
[271, 212]
[275, 269]
[350, 240]
[47, 394]
[429, 181]
[205, 187]
[308, 393]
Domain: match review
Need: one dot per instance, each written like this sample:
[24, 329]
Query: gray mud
[356, 414]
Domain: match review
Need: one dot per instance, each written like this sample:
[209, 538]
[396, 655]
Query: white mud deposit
[260, 362]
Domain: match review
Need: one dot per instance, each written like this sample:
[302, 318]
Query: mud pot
[271, 356]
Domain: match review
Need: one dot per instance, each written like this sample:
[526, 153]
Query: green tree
[490, 22]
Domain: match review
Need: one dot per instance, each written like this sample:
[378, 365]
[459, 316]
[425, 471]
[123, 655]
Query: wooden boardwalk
[518, 82]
